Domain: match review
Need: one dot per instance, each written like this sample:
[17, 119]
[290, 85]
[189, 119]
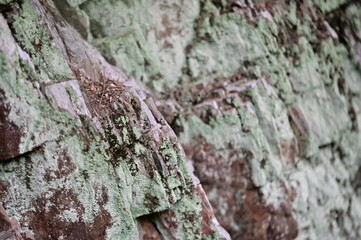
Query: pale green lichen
[136, 132]
[5, 1]
[230, 35]
[75, 3]
[37, 43]
[299, 75]
[28, 112]
[125, 135]
[65, 161]
[312, 84]
[149, 196]
[169, 153]
[73, 96]
[326, 6]
[138, 148]
[187, 211]
[91, 172]
[146, 38]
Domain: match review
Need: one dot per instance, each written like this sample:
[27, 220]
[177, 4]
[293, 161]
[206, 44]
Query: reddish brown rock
[9, 132]
[10, 228]
[235, 198]
[146, 229]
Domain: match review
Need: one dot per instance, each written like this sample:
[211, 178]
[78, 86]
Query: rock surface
[85, 151]
[110, 109]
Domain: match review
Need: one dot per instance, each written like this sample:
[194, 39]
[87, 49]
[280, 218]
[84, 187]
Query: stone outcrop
[85, 152]
[152, 119]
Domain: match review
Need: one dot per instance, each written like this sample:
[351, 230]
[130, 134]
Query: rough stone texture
[264, 97]
[84, 150]
[10, 228]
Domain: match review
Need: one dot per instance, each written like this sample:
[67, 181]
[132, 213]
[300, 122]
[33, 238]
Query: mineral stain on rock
[9, 132]
[48, 221]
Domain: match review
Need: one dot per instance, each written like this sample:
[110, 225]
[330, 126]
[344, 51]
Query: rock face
[114, 115]
[85, 152]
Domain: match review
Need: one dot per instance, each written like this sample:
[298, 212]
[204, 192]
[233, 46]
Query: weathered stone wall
[264, 97]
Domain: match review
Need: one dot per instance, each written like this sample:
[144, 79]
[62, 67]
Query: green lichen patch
[227, 34]
[75, 170]
[34, 39]
[145, 38]
[35, 117]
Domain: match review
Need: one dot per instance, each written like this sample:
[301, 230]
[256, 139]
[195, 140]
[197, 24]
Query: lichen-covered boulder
[114, 115]
[264, 96]
[85, 154]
